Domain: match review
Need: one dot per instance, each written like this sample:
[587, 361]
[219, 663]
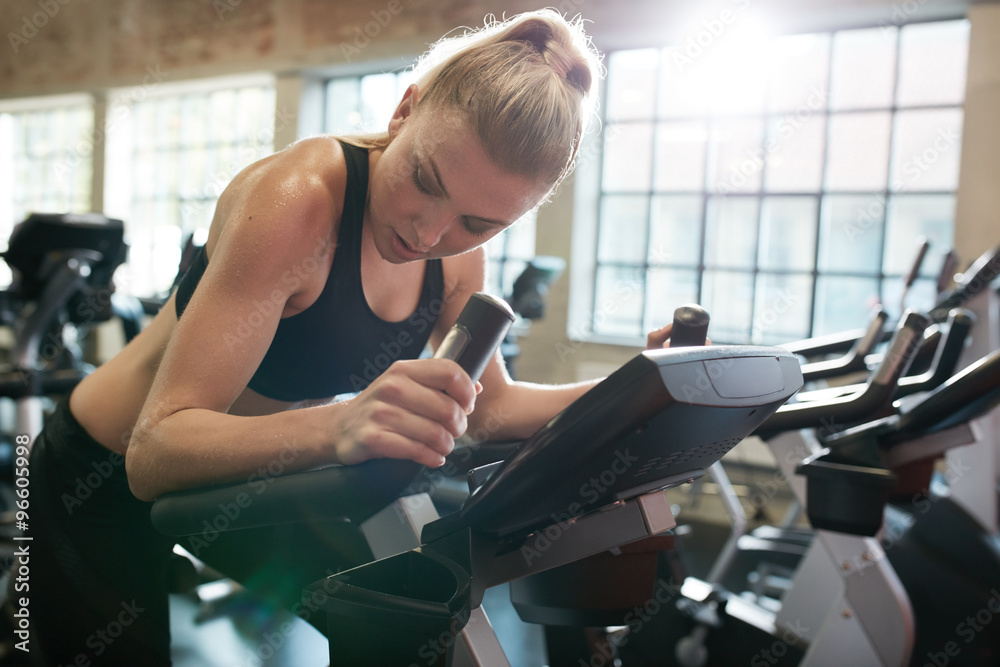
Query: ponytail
[525, 85]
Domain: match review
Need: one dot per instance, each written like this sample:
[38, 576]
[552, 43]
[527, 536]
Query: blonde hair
[525, 85]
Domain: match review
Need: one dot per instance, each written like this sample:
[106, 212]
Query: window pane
[521, 237]
[680, 156]
[632, 84]
[511, 270]
[378, 101]
[623, 228]
[682, 87]
[675, 233]
[166, 250]
[666, 290]
[858, 151]
[788, 194]
[843, 303]
[628, 157]
[795, 154]
[721, 82]
[932, 63]
[728, 296]
[404, 79]
[782, 308]
[145, 116]
[343, 101]
[494, 278]
[921, 296]
[799, 66]
[193, 128]
[926, 151]
[912, 216]
[169, 127]
[618, 303]
[173, 183]
[734, 80]
[496, 246]
[735, 156]
[193, 175]
[787, 233]
[731, 232]
[222, 107]
[864, 68]
[850, 236]
[256, 120]
[45, 165]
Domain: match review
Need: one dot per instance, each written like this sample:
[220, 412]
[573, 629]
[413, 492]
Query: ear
[404, 109]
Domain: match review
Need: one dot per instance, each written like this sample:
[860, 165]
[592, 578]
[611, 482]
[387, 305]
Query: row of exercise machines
[591, 483]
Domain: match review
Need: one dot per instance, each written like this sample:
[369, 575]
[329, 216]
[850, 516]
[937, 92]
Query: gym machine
[590, 480]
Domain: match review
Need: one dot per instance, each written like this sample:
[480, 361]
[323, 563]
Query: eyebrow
[437, 176]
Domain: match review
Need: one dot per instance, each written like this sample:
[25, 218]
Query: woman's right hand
[414, 410]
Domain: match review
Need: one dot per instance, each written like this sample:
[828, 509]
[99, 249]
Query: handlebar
[876, 394]
[854, 360]
[977, 278]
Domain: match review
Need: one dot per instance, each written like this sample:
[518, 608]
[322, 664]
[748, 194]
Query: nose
[431, 230]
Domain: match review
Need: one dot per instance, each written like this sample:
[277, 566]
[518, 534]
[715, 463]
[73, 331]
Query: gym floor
[231, 636]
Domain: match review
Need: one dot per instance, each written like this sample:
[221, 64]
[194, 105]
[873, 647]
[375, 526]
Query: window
[782, 184]
[169, 157]
[363, 104]
[45, 162]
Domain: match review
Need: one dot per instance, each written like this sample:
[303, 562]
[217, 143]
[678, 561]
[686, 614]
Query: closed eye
[417, 183]
[473, 230]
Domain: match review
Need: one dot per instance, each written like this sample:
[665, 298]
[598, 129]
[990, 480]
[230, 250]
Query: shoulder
[309, 173]
[294, 195]
[282, 210]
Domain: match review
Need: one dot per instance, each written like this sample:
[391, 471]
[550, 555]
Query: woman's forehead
[448, 147]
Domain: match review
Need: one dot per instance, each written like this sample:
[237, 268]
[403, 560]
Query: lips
[403, 249]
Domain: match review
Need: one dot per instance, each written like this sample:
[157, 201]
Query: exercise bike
[589, 481]
[921, 427]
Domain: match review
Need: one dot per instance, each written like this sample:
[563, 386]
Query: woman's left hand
[661, 338]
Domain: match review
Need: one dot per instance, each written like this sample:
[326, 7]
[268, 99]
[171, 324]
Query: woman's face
[435, 193]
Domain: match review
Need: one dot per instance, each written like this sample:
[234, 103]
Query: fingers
[415, 410]
[661, 338]
[443, 375]
[657, 339]
[389, 444]
[441, 392]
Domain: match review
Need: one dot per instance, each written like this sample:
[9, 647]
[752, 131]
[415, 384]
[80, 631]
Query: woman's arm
[505, 409]
[274, 216]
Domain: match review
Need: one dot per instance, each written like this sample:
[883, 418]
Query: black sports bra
[337, 345]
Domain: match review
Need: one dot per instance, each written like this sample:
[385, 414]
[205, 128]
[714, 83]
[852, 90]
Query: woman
[319, 259]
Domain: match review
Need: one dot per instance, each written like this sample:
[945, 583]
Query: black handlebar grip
[690, 326]
[947, 272]
[477, 333]
[911, 277]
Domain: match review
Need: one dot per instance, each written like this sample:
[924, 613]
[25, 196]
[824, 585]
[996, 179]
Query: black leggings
[99, 571]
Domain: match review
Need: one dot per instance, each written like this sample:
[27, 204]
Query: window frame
[587, 309]
[117, 142]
